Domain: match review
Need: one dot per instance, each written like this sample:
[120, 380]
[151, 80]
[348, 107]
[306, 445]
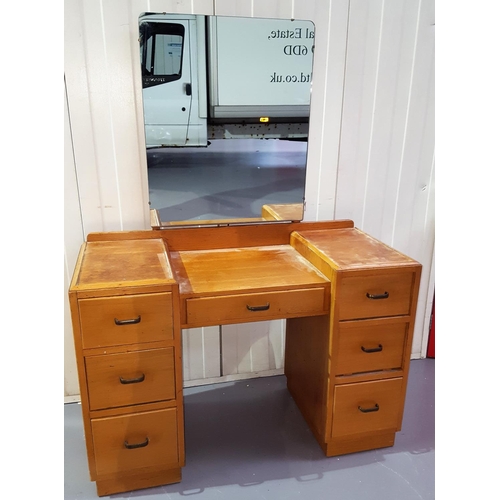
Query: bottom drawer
[136, 440]
[366, 407]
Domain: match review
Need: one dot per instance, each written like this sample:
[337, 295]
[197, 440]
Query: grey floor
[247, 440]
[231, 178]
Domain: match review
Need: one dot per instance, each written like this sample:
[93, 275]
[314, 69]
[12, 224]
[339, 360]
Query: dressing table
[349, 302]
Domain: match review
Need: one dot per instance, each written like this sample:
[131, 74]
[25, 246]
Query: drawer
[255, 306]
[366, 407]
[135, 441]
[370, 347]
[130, 378]
[111, 321]
[375, 296]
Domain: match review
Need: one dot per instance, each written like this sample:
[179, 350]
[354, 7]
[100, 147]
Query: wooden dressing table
[348, 299]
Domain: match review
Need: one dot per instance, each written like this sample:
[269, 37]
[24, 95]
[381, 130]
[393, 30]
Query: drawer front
[375, 296]
[130, 378]
[111, 321]
[255, 306]
[135, 441]
[366, 407]
[370, 347]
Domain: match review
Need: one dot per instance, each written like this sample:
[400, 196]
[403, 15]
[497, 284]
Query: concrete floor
[247, 440]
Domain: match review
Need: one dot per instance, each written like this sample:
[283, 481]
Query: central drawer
[134, 441]
[129, 319]
[130, 378]
[228, 309]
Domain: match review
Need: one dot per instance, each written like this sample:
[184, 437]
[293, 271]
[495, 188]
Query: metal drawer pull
[132, 380]
[384, 295]
[138, 445]
[120, 322]
[368, 410]
[374, 349]
[259, 308]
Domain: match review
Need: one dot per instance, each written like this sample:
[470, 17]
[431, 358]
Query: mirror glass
[226, 110]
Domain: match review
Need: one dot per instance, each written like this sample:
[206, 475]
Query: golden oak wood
[245, 308]
[154, 218]
[366, 407]
[211, 238]
[353, 443]
[284, 211]
[223, 272]
[218, 285]
[349, 301]
[125, 312]
[111, 321]
[307, 352]
[123, 442]
[136, 480]
[350, 249]
[130, 378]
[125, 410]
[108, 264]
[373, 297]
[369, 348]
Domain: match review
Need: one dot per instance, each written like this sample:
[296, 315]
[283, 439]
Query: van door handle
[188, 88]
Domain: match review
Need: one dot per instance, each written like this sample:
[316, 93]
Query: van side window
[161, 52]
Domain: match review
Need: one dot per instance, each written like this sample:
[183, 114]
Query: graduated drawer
[366, 407]
[135, 441]
[375, 296]
[130, 319]
[130, 378]
[255, 306]
[370, 347]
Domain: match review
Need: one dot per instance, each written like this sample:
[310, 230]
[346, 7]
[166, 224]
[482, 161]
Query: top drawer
[111, 321]
[375, 296]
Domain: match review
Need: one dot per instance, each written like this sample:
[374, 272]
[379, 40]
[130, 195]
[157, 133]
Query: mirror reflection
[226, 110]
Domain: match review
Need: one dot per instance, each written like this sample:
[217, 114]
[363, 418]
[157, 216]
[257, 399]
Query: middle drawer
[130, 378]
[224, 309]
[366, 346]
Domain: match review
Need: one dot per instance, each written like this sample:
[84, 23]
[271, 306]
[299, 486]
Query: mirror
[226, 110]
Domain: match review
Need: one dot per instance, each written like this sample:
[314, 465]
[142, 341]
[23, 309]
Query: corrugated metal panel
[104, 92]
[253, 347]
[386, 163]
[201, 353]
[73, 239]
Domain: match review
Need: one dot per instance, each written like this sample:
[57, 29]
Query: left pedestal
[125, 313]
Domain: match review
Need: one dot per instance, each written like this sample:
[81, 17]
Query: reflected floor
[229, 179]
[247, 440]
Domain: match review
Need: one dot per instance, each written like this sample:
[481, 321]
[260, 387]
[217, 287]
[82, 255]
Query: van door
[166, 81]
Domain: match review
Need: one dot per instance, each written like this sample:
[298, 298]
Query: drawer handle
[368, 410]
[138, 445]
[384, 295]
[373, 349]
[259, 308]
[132, 380]
[120, 322]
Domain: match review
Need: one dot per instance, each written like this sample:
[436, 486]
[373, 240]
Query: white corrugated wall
[370, 156]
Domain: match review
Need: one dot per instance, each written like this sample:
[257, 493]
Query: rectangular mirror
[226, 111]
